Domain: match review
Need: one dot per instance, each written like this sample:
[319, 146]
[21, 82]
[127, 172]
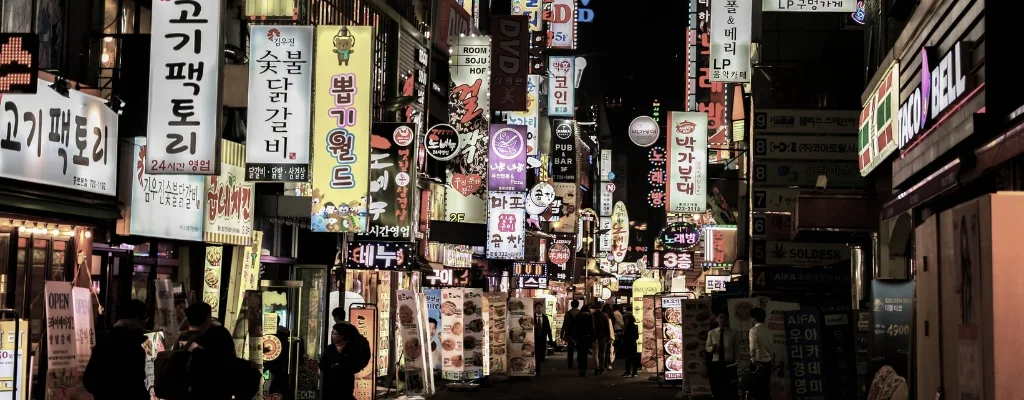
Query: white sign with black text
[716, 283]
[806, 121]
[810, 5]
[731, 22]
[793, 147]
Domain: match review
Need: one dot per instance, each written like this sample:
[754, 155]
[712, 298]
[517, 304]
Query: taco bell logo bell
[942, 84]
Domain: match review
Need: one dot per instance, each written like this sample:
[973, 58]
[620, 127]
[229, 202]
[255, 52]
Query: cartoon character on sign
[343, 44]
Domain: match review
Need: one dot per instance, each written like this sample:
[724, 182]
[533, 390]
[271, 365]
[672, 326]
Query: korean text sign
[563, 151]
[510, 62]
[391, 179]
[730, 40]
[803, 341]
[531, 117]
[50, 139]
[561, 91]
[561, 17]
[230, 200]
[280, 79]
[341, 128]
[184, 88]
[506, 233]
[469, 114]
[531, 9]
[507, 162]
[687, 162]
[161, 206]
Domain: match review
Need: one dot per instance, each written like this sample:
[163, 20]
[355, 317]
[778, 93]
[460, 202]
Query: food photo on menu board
[648, 355]
[672, 337]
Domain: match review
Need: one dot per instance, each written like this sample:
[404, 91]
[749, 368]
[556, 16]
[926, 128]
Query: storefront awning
[24, 199]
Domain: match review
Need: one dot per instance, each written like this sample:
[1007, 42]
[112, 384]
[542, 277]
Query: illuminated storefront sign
[379, 255]
[561, 17]
[506, 230]
[531, 275]
[510, 63]
[532, 10]
[389, 210]
[667, 259]
[160, 206]
[809, 5]
[506, 167]
[19, 62]
[531, 117]
[686, 163]
[561, 92]
[620, 232]
[878, 122]
[230, 200]
[656, 177]
[730, 40]
[469, 114]
[942, 83]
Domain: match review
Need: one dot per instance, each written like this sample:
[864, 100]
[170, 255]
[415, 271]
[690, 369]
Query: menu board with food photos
[413, 344]
[473, 333]
[672, 337]
[649, 354]
[522, 349]
[452, 362]
[696, 324]
[211, 278]
[497, 321]
[384, 324]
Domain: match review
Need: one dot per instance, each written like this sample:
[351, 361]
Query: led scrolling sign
[942, 84]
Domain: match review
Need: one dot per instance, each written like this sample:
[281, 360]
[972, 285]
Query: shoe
[634, 375]
[583, 373]
[625, 375]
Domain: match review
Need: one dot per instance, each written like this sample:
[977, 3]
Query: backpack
[170, 374]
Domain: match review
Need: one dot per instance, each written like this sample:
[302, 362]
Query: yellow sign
[8, 340]
[341, 128]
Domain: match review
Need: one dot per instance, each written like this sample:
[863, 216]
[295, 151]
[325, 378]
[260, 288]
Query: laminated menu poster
[671, 345]
[365, 320]
[892, 321]
[63, 374]
[211, 278]
[649, 355]
[487, 335]
[776, 322]
[452, 353]
[383, 323]
[413, 348]
[497, 321]
[803, 342]
[522, 349]
[85, 335]
[643, 287]
[741, 322]
[473, 333]
[696, 324]
[433, 302]
[153, 345]
[14, 339]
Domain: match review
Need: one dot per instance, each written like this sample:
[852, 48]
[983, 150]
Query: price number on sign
[898, 330]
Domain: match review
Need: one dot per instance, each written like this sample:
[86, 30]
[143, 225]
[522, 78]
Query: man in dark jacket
[347, 355]
[602, 334]
[567, 334]
[583, 333]
[213, 365]
[117, 368]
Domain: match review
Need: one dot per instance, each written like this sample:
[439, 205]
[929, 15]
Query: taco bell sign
[943, 82]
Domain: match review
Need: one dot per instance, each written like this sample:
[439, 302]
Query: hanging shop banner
[656, 177]
[365, 321]
[462, 203]
[673, 260]
[564, 155]
[507, 162]
[776, 321]
[696, 324]
[522, 349]
[414, 348]
[510, 63]
[821, 6]
[469, 114]
[542, 194]
[532, 10]
[14, 340]
[442, 142]
[605, 239]
[82, 157]
[452, 362]
[434, 327]
[85, 335]
[687, 162]
[793, 147]
[606, 166]
[230, 200]
[473, 344]
[731, 22]
[497, 322]
[159, 206]
[380, 255]
[569, 208]
[794, 253]
[892, 320]
[561, 17]
[63, 372]
[341, 128]
[561, 93]
[384, 325]
[620, 232]
[506, 225]
[213, 266]
[280, 84]
[806, 121]
[839, 174]
[531, 117]
[878, 127]
[451, 21]
[803, 342]
[184, 88]
[391, 177]
[530, 275]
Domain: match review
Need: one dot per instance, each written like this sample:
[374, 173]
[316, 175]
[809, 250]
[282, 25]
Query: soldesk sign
[789, 253]
[943, 82]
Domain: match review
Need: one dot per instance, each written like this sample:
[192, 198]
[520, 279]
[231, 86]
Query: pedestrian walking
[566, 334]
[541, 331]
[630, 335]
[760, 356]
[602, 335]
[117, 368]
[583, 333]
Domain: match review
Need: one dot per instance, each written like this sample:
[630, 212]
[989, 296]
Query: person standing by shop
[215, 371]
[117, 368]
[602, 335]
[627, 348]
[566, 334]
[760, 356]
[721, 345]
[348, 353]
[541, 335]
[583, 334]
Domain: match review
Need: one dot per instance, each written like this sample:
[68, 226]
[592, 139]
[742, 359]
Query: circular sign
[680, 236]
[542, 194]
[403, 136]
[534, 209]
[402, 179]
[271, 347]
[609, 187]
[442, 142]
[558, 254]
[644, 131]
[508, 143]
[564, 131]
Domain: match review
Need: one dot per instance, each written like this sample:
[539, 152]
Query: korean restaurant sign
[687, 162]
[507, 162]
[391, 182]
[531, 117]
[506, 230]
[656, 177]
[561, 18]
[878, 124]
[606, 165]
[49, 139]
[810, 5]
[280, 79]
[341, 128]
[806, 121]
[532, 10]
[442, 142]
[561, 93]
[644, 131]
[229, 200]
[943, 81]
[380, 255]
[159, 206]
[620, 232]
[731, 22]
[564, 157]
[668, 259]
[680, 236]
[605, 240]
[184, 84]
[510, 63]
[469, 114]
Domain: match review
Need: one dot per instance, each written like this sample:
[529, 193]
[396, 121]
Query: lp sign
[789, 253]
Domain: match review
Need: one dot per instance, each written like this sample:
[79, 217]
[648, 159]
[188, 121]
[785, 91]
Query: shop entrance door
[292, 372]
